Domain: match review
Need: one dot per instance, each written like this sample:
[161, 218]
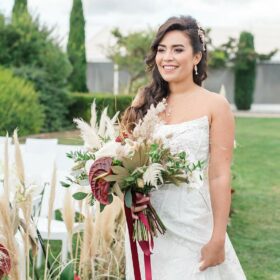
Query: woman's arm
[221, 149]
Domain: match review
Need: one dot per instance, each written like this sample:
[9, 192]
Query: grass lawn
[255, 226]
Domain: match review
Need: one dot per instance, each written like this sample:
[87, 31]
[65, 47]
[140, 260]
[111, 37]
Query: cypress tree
[20, 7]
[245, 72]
[76, 48]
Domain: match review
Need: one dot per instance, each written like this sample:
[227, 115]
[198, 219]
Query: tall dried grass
[68, 214]
[50, 215]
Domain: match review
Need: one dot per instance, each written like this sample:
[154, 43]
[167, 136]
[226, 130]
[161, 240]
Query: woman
[196, 245]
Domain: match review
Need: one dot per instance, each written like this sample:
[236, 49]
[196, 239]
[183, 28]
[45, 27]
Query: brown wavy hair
[159, 88]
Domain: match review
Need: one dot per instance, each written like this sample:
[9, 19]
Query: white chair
[33, 145]
[39, 156]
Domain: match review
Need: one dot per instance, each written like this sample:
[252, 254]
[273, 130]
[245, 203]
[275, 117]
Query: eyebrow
[173, 46]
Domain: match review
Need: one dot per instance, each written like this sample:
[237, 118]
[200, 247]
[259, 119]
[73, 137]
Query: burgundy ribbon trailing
[146, 246]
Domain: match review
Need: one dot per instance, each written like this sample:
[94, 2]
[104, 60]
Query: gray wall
[100, 77]
[267, 91]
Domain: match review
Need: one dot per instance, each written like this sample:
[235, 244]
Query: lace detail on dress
[190, 136]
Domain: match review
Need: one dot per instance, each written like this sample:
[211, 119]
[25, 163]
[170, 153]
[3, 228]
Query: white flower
[92, 133]
[123, 151]
[108, 150]
[153, 174]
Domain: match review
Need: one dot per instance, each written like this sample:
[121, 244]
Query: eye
[179, 50]
[160, 50]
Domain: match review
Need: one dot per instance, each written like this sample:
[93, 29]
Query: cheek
[157, 60]
[186, 60]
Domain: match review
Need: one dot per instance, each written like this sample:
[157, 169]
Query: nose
[168, 55]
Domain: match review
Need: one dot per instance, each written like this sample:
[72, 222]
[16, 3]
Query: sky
[225, 17]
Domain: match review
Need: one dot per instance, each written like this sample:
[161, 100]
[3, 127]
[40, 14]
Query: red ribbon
[146, 246]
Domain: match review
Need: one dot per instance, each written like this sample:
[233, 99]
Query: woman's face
[175, 59]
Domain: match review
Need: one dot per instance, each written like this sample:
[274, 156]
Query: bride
[196, 245]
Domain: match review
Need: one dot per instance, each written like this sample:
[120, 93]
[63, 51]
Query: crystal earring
[195, 70]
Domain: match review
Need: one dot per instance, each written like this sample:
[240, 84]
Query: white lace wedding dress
[187, 215]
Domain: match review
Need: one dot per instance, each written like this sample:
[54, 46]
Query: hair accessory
[201, 35]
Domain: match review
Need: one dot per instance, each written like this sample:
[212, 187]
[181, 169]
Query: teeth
[169, 67]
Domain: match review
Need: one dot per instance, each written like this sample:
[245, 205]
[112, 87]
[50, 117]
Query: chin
[170, 79]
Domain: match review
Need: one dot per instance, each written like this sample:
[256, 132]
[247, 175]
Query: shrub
[19, 105]
[28, 48]
[80, 104]
[245, 72]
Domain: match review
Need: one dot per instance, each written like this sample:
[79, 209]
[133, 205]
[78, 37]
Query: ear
[197, 57]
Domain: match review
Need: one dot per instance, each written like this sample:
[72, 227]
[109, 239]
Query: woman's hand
[213, 253]
[140, 205]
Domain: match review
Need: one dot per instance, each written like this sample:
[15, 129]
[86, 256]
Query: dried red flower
[121, 137]
[99, 186]
[5, 261]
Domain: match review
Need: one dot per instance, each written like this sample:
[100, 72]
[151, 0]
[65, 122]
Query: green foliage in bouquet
[78, 170]
[19, 105]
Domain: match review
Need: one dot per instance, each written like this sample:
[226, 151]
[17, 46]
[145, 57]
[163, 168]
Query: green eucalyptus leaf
[102, 206]
[110, 198]
[80, 195]
[65, 185]
[128, 198]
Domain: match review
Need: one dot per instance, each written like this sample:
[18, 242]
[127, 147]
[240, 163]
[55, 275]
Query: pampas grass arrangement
[99, 252]
[88, 246]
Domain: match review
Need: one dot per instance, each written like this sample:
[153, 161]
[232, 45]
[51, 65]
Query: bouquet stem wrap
[146, 245]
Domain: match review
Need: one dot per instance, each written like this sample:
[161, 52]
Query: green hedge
[19, 105]
[80, 104]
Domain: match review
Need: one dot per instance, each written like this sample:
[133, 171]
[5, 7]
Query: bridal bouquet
[131, 166]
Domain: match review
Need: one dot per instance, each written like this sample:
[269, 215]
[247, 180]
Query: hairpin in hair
[201, 35]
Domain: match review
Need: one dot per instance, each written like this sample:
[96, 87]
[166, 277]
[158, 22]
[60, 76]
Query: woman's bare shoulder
[218, 104]
[215, 99]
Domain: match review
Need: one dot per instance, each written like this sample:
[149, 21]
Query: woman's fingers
[143, 199]
[137, 209]
[202, 265]
[140, 205]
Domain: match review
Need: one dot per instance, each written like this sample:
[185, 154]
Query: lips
[169, 68]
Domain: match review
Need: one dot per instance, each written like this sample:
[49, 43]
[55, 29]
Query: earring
[195, 70]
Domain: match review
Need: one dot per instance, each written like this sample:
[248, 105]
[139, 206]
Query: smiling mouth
[169, 67]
